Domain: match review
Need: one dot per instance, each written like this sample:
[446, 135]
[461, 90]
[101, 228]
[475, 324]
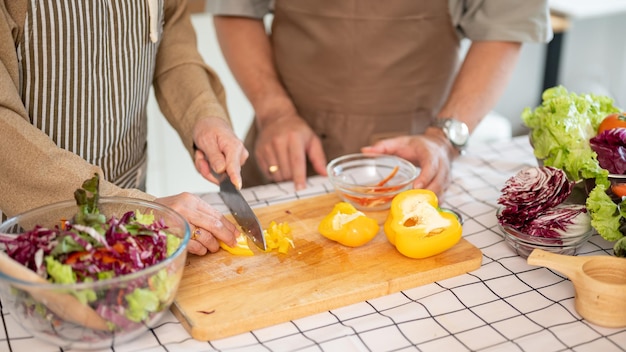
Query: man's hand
[430, 151]
[282, 148]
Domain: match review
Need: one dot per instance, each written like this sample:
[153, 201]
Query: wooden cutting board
[221, 295]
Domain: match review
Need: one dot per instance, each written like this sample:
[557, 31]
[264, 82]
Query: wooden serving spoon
[64, 305]
[599, 283]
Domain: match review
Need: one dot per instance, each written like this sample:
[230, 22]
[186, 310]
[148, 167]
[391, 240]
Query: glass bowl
[523, 244]
[370, 181]
[36, 307]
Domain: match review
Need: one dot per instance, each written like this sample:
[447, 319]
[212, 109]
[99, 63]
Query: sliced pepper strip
[348, 226]
[277, 237]
[418, 228]
[241, 247]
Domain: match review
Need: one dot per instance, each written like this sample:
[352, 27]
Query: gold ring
[195, 233]
[272, 169]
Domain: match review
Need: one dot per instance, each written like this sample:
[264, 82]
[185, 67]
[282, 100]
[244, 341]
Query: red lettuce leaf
[610, 146]
[530, 192]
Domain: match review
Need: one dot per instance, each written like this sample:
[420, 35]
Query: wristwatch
[456, 131]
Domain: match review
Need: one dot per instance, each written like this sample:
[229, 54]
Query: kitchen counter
[506, 304]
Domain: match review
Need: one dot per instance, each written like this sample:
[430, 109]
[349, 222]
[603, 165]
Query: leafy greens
[91, 247]
[561, 128]
[562, 131]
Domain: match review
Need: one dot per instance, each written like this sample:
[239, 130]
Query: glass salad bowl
[370, 181]
[124, 301]
[523, 244]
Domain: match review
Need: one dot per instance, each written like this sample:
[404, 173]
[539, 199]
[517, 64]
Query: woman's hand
[207, 224]
[218, 149]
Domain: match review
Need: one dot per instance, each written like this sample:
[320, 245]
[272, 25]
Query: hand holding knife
[240, 210]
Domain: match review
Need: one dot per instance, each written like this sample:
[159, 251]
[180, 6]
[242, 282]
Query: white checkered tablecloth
[505, 305]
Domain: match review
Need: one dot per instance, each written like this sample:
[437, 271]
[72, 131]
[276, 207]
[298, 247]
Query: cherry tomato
[619, 189]
[614, 120]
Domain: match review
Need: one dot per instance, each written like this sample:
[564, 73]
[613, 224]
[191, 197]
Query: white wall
[594, 57]
[592, 61]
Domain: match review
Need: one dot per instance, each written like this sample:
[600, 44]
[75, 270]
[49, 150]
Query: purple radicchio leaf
[565, 221]
[610, 146]
[530, 192]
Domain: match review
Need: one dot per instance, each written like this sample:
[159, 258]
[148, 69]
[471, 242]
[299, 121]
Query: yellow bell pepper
[241, 247]
[348, 226]
[278, 236]
[418, 228]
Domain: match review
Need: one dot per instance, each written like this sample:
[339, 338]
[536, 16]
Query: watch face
[458, 133]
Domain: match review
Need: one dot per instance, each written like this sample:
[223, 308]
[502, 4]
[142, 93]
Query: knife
[241, 211]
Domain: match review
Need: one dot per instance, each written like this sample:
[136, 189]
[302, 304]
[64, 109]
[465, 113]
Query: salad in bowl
[119, 260]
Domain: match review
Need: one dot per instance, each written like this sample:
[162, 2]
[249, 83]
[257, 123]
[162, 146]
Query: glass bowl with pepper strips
[370, 181]
[90, 272]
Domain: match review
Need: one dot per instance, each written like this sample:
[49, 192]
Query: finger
[425, 176]
[291, 158]
[297, 158]
[216, 159]
[214, 226]
[266, 159]
[205, 238]
[218, 227]
[281, 149]
[195, 247]
[267, 165]
[203, 167]
[436, 177]
[235, 158]
[234, 169]
[443, 182]
[380, 147]
[274, 170]
[233, 172]
[318, 157]
[201, 214]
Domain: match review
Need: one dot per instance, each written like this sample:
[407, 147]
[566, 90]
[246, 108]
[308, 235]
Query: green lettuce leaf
[59, 272]
[141, 302]
[560, 129]
[163, 284]
[605, 216]
[144, 219]
[173, 242]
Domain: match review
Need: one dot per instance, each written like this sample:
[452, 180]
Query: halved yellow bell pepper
[241, 247]
[348, 226]
[418, 228]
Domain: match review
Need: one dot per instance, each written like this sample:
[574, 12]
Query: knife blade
[241, 211]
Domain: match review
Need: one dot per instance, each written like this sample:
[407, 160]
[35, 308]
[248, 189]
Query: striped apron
[361, 70]
[86, 72]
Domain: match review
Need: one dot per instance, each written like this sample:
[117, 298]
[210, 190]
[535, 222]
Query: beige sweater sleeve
[34, 171]
[186, 89]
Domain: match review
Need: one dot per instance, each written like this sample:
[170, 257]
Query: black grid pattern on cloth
[505, 305]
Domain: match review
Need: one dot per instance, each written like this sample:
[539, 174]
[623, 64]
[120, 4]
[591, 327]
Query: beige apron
[86, 70]
[361, 70]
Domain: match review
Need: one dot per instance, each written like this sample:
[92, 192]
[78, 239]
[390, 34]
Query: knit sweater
[34, 171]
